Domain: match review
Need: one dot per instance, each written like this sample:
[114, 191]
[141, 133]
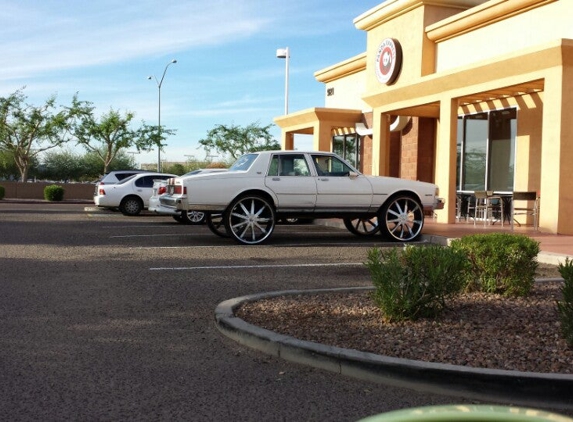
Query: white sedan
[262, 187]
[185, 217]
[131, 195]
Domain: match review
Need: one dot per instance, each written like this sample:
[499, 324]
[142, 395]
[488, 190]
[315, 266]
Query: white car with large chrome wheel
[263, 187]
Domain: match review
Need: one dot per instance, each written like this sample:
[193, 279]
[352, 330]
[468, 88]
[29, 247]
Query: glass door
[486, 151]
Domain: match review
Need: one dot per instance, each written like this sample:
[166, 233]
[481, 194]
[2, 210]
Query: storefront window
[348, 147]
[486, 151]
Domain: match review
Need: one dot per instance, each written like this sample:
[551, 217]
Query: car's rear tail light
[161, 190]
[178, 190]
[101, 191]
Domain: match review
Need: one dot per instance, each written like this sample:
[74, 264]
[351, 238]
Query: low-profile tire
[216, 224]
[250, 219]
[132, 205]
[362, 226]
[402, 219]
[192, 217]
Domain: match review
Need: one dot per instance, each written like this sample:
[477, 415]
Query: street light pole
[284, 53]
[159, 83]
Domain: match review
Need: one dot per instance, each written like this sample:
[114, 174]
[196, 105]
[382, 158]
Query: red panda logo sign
[388, 61]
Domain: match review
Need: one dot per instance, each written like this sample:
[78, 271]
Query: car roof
[151, 173]
[127, 171]
[140, 175]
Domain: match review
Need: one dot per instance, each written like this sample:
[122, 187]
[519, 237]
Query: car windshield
[244, 162]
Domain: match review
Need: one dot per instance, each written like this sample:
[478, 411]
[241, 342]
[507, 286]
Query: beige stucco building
[469, 94]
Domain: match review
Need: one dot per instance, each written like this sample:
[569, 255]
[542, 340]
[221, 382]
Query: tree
[62, 165]
[176, 168]
[27, 131]
[237, 140]
[111, 133]
[8, 169]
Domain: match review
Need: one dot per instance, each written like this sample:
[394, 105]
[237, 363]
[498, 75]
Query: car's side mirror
[352, 174]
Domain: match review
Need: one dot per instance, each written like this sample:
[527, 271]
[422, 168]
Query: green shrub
[416, 282]
[501, 263]
[2, 192]
[53, 193]
[565, 307]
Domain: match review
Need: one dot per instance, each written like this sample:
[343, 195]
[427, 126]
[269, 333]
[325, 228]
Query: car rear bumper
[162, 209]
[102, 201]
[170, 201]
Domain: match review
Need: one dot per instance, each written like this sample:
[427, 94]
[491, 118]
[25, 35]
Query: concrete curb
[45, 202]
[502, 386]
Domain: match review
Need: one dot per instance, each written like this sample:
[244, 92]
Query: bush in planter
[53, 193]
[565, 306]
[501, 263]
[2, 192]
[416, 282]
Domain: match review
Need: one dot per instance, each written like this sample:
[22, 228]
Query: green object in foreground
[464, 413]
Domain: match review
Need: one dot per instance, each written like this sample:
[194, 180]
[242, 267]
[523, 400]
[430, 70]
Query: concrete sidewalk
[554, 248]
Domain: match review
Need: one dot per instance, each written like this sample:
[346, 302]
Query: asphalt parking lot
[106, 317]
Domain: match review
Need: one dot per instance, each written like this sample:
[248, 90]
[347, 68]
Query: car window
[147, 181]
[288, 165]
[244, 162]
[121, 176]
[127, 179]
[274, 166]
[331, 166]
[117, 176]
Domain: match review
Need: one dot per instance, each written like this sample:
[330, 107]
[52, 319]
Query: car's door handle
[276, 179]
[324, 179]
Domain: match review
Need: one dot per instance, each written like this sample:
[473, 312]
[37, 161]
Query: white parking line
[239, 267]
[157, 235]
[154, 226]
[282, 245]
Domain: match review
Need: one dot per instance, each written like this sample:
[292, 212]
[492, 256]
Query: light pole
[284, 53]
[159, 83]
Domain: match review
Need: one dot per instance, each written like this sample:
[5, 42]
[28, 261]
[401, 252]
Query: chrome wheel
[216, 225]
[193, 217]
[403, 219]
[250, 220]
[362, 226]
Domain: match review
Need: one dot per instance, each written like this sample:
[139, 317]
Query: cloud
[55, 35]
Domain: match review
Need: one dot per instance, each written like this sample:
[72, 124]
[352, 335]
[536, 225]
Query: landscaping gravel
[477, 330]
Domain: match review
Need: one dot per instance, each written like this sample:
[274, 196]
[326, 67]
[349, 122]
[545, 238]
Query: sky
[227, 71]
